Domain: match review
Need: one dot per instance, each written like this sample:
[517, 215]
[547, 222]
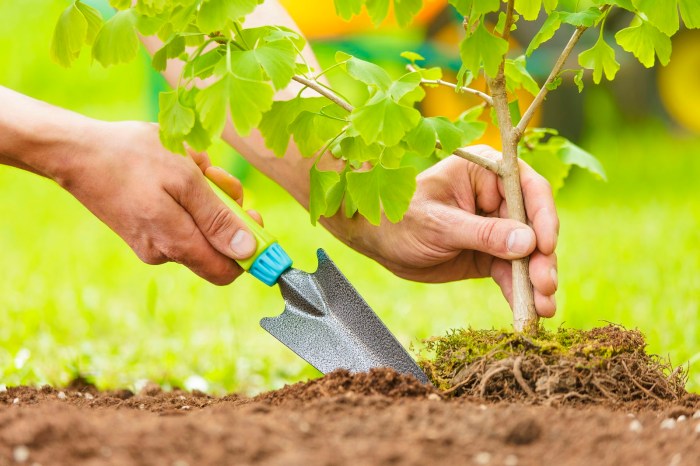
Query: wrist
[40, 137]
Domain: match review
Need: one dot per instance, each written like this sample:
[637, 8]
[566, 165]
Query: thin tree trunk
[525, 317]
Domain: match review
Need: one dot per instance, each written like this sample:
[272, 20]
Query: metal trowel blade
[328, 324]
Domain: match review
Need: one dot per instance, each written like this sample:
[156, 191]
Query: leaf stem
[539, 98]
[484, 96]
[482, 161]
[327, 93]
[239, 32]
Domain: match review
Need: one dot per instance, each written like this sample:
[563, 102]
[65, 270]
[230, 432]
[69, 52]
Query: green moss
[443, 357]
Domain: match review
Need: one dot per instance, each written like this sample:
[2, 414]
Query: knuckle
[148, 254]
[220, 221]
[487, 233]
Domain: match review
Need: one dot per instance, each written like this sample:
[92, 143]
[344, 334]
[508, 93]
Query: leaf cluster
[232, 73]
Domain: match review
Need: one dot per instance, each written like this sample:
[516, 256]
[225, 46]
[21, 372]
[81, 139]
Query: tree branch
[489, 164]
[324, 92]
[484, 162]
[539, 98]
[484, 96]
[509, 19]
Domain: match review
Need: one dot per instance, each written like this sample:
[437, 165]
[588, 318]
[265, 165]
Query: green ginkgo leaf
[383, 119]
[381, 189]
[324, 198]
[72, 31]
[546, 32]
[117, 41]
[661, 13]
[483, 47]
[275, 124]
[213, 14]
[601, 59]
[246, 99]
[644, 41]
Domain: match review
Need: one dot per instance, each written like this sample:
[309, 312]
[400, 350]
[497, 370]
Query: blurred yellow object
[444, 101]
[679, 82]
[317, 19]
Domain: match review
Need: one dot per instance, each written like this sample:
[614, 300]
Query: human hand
[457, 227]
[159, 203]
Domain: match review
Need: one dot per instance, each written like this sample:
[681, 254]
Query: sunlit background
[74, 299]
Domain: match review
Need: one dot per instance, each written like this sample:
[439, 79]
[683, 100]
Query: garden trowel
[325, 321]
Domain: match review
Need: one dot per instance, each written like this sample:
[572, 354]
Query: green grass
[75, 300]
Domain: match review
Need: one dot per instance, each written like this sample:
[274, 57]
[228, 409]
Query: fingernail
[555, 277]
[242, 244]
[554, 301]
[519, 241]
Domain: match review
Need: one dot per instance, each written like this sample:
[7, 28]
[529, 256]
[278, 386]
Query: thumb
[226, 232]
[504, 238]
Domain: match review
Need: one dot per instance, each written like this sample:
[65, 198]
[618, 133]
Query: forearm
[36, 136]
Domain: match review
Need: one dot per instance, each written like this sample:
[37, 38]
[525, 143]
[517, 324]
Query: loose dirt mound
[370, 419]
[604, 365]
[385, 382]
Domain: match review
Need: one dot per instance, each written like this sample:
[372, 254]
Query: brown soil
[365, 419]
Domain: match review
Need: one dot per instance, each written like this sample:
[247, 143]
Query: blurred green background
[74, 299]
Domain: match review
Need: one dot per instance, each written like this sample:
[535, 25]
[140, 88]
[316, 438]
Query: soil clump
[607, 365]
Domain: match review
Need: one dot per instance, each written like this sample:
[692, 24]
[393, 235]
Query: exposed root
[606, 364]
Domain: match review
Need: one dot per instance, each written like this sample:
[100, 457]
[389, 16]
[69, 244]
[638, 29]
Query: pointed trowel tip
[321, 255]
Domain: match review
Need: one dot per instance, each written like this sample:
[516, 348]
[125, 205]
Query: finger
[200, 158]
[227, 182]
[546, 306]
[543, 273]
[502, 273]
[186, 245]
[255, 215]
[539, 204]
[227, 233]
[488, 198]
[504, 238]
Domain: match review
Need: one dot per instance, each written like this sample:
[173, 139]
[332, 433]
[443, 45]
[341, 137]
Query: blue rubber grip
[270, 264]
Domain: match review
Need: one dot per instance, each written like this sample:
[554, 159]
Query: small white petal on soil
[21, 358]
[3, 387]
[434, 397]
[196, 382]
[61, 395]
[681, 418]
[483, 457]
[15, 401]
[696, 415]
[20, 454]
[511, 460]
[636, 426]
[88, 396]
[668, 424]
